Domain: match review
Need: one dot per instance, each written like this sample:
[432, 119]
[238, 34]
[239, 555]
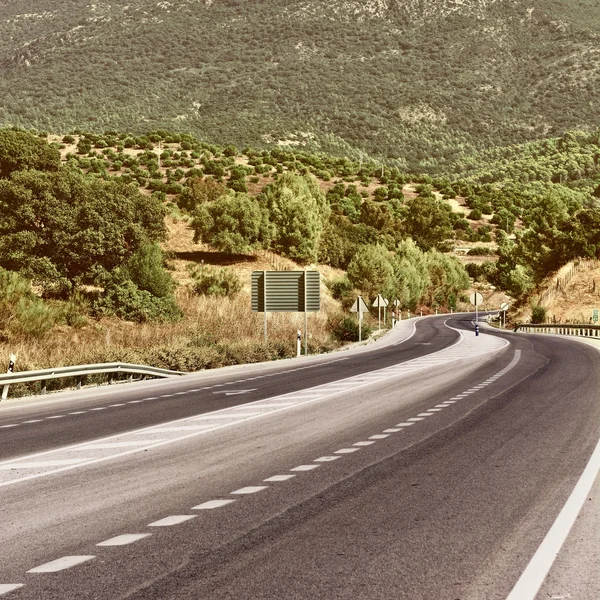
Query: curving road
[427, 467]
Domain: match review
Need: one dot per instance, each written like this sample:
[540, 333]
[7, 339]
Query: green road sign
[286, 291]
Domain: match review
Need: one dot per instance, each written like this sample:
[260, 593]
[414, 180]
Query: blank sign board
[286, 291]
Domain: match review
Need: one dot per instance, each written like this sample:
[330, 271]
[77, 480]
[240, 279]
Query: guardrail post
[78, 386]
[43, 385]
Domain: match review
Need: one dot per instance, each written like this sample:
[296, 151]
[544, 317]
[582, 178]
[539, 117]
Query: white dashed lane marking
[251, 489]
[123, 540]
[172, 520]
[60, 564]
[304, 468]
[211, 504]
[9, 587]
[181, 429]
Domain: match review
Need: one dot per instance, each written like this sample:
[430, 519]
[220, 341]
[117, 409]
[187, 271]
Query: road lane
[448, 506]
[38, 427]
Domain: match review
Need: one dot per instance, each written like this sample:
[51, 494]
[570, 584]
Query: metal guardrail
[576, 329]
[81, 371]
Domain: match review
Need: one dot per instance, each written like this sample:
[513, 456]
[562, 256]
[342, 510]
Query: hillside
[418, 83]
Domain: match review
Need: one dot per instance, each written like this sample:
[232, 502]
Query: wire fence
[559, 285]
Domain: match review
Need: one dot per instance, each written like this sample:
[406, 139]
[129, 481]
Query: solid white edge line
[534, 574]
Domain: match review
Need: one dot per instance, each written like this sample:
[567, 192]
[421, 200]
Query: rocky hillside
[418, 83]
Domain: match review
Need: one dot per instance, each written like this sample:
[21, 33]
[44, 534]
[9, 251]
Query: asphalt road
[436, 478]
[35, 427]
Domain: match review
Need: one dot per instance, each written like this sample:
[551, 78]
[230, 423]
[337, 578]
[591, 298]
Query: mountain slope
[420, 81]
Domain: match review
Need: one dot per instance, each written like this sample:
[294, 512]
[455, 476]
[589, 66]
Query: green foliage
[21, 312]
[215, 281]
[20, 150]
[76, 309]
[200, 191]
[371, 271]
[340, 91]
[122, 298]
[63, 228]
[447, 278]
[345, 329]
[146, 269]
[538, 313]
[298, 210]
[428, 222]
[340, 287]
[235, 223]
[480, 251]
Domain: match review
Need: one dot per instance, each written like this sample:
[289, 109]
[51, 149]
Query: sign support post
[503, 308]
[265, 302]
[359, 307]
[286, 291]
[476, 298]
[305, 319]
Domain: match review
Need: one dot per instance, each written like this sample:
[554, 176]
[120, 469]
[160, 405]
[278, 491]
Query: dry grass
[226, 326]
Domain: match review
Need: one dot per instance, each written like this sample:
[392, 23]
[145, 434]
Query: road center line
[172, 520]
[60, 564]
[125, 539]
[9, 587]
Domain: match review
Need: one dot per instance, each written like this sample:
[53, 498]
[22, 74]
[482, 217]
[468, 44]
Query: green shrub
[76, 309]
[481, 251]
[538, 313]
[146, 269]
[215, 281]
[345, 329]
[126, 301]
[21, 312]
[340, 287]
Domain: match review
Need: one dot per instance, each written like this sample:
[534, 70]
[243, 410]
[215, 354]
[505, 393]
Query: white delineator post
[11, 366]
[299, 343]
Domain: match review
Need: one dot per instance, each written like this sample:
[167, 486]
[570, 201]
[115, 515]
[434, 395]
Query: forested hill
[418, 82]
